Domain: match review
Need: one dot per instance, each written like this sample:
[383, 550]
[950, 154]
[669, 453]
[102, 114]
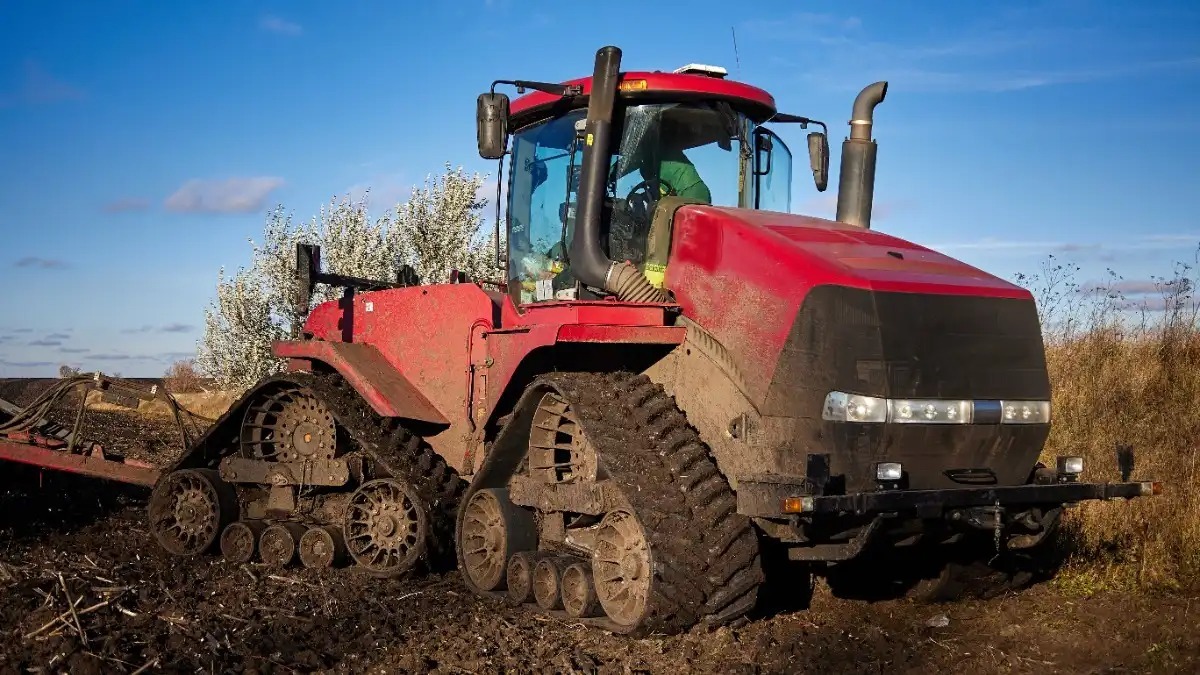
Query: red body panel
[528, 107]
[742, 275]
[446, 353]
[381, 385]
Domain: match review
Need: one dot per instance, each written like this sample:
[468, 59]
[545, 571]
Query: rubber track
[706, 559]
[382, 441]
[401, 454]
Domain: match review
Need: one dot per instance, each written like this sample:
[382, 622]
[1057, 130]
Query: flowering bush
[439, 229]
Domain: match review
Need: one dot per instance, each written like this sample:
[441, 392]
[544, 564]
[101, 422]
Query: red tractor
[680, 394]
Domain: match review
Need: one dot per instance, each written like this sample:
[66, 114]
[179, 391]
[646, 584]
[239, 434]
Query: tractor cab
[687, 137]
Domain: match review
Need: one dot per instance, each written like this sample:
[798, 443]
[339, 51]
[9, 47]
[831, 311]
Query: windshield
[695, 151]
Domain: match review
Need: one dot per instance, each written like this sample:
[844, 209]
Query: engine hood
[745, 275]
[806, 306]
[829, 251]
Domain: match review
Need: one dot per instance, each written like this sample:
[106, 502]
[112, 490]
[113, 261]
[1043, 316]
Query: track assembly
[589, 455]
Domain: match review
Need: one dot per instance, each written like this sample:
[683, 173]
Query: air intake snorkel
[589, 263]
[856, 184]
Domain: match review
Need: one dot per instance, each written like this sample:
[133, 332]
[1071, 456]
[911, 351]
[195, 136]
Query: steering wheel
[643, 196]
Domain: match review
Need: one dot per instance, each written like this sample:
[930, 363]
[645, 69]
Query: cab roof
[754, 102]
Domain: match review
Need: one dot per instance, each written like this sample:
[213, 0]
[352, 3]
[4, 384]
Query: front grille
[910, 345]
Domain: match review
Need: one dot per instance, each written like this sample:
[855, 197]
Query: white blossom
[439, 229]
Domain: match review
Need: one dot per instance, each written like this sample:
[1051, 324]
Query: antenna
[737, 60]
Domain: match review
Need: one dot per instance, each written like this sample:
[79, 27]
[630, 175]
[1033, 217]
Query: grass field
[1127, 372]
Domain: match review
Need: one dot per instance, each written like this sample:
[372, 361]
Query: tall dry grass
[1126, 370]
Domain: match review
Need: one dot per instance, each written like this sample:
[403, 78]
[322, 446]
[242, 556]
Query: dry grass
[1127, 375]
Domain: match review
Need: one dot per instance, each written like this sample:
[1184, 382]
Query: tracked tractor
[679, 395]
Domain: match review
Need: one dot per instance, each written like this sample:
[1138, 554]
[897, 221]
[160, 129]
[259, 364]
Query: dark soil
[207, 615]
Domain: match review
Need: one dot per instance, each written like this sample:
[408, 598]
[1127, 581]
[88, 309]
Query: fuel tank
[806, 307]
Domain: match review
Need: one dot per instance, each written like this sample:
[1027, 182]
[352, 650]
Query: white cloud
[230, 195]
[275, 24]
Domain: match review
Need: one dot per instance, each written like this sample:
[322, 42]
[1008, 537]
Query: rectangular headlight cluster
[843, 407]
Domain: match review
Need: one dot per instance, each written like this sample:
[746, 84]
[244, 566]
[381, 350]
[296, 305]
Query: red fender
[388, 391]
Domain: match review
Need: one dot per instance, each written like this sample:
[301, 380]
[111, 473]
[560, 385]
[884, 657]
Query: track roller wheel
[547, 582]
[277, 544]
[239, 541]
[386, 528]
[321, 547]
[621, 565]
[520, 577]
[579, 591]
[189, 509]
[493, 530]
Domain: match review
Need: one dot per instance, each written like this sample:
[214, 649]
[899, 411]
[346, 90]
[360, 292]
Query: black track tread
[707, 564]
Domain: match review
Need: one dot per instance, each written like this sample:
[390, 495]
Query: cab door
[772, 172]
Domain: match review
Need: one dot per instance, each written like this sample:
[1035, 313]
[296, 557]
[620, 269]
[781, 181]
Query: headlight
[840, 407]
[888, 471]
[1070, 466]
[1025, 412]
[930, 411]
[843, 407]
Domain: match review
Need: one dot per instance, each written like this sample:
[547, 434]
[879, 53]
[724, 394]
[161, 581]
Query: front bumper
[786, 496]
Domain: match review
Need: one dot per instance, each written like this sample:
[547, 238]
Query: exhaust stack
[588, 260]
[856, 183]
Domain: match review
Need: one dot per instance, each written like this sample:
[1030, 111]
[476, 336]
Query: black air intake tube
[856, 184]
[589, 263]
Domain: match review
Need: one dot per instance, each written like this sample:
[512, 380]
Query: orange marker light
[633, 85]
[797, 504]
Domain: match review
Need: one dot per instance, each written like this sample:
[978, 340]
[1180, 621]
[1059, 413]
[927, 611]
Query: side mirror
[818, 157]
[491, 125]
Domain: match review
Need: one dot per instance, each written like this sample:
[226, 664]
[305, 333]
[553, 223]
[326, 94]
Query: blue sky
[141, 143]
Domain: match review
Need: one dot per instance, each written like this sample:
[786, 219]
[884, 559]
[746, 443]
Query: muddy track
[707, 566]
[385, 446]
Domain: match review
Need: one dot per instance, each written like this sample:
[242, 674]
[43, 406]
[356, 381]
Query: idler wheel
[386, 527]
